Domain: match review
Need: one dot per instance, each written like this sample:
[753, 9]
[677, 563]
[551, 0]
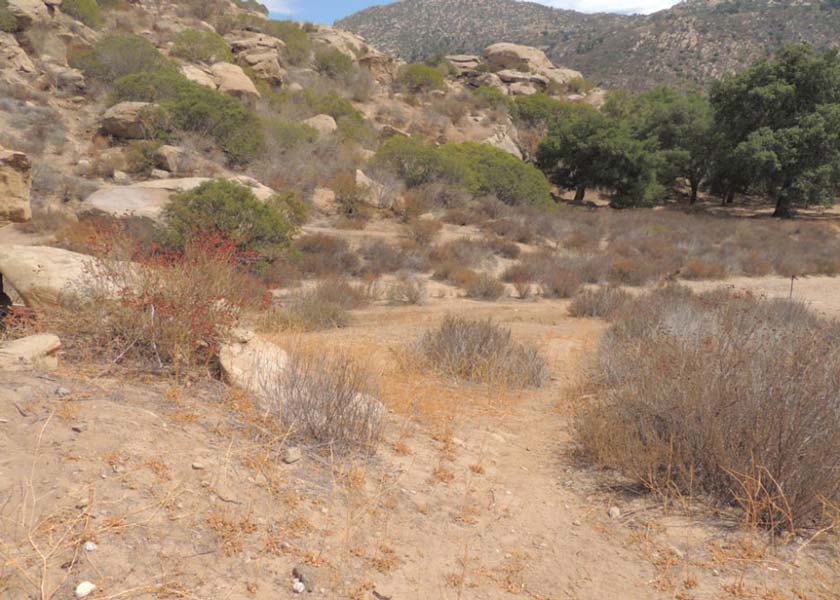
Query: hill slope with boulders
[690, 43]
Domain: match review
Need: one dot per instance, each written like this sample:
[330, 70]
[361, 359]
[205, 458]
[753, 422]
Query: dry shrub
[560, 283]
[601, 303]
[328, 399]
[380, 257]
[424, 231]
[167, 311]
[336, 290]
[324, 255]
[463, 251]
[455, 274]
[305, 312]
[524, 289]
[722, 395]
[503, 248]
[407, 291]
[697, 268]
[481, 352]
[485, 287]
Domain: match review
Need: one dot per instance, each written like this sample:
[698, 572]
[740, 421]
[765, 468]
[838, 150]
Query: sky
[327, 11]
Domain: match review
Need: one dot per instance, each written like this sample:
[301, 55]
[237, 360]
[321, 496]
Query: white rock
[15, 186]
[292, 455]
[298, 587]
[40, 274]
[35, 351]
[614, 512]
[85, 589]
[90, 546]
[255, 365]
[232, 80]
[323, 124]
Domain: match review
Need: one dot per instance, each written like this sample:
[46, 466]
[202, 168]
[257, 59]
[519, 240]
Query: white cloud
[282, 7]
[616, 6]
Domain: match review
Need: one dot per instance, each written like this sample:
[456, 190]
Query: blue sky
[327, 11]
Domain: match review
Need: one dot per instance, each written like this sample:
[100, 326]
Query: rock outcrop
[323, 124]
[128, 120]
[253, 364]
[260, 53]
[41, 274]
[15, 186]
[231, 79]
[33, 352]
[508, 56]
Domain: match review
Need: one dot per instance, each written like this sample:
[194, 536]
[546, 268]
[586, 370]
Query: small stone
[160, 174]
[292, 455]
[80, 427]
[62, 392]
[90, 546]
[121, 178]
[614, 512]
[84, 589]
[298, 587]
[197, 466]
[311, 577]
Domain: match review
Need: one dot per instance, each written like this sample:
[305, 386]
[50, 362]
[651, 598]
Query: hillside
[693, 42]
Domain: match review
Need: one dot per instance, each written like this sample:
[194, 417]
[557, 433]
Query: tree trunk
[730, 197]
[783, 210]
[695, 186]
[580, 193]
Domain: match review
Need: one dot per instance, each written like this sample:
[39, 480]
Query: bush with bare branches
[724, 396]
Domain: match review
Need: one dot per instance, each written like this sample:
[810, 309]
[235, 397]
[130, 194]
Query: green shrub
[8, 22]
[420, 78]
[298, 43]
[194, 107]
[489, 97]
[288, 134]
[141, 156]
[497, 173]
[333, 63]
[260, 230]
[119, 55]
[86, 11]
[201, 46]
[331, 103]
[536, 109]
[416, 162]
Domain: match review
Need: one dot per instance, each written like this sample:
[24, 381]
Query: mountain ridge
[686, 45]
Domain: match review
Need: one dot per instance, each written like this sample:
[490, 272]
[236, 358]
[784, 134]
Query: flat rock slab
[35, 351]
[41, 274]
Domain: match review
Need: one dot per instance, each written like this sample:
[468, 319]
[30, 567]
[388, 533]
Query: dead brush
[164, 312]
[327, 399]
[725, 396]
[407, 291]
[604, 302]
[481, 352]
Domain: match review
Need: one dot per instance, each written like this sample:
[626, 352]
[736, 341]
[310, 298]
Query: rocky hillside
[693, 42]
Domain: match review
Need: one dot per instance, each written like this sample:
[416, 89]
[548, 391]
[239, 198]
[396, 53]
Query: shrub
[350, 196]
[333, 63]
[169, 311]
[119, 55]
[418, 78]
[602, 303]
[298, 43]
[333, 104]
[407, 291]
[141, 156]
[562, 282]
[8, 21]
[721, 395]
[481, 352]
[338, 291]
[307, 312]
[697, 268]
[424, 231]
[86, 11]
[201, 46]
[258, 229]
[252, 5]
[486, 96]
[485, 287]
[194, 107]
[537, 109]
[417, 163]
[324, 255]
[327, 399]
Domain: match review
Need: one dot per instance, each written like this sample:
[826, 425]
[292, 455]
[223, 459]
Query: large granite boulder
[33, 352]
[525, 58]
[323, 124]
[41, 274]
[232, 80]
[253, 364]
[15, 186]
[128, 120]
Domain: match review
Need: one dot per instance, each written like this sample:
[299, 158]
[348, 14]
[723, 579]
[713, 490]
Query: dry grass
[721, 395]
[407, 291]
[601, 303]
[481, 352]
[485, 287]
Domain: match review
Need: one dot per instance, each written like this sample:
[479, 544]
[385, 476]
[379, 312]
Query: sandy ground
[473, 493]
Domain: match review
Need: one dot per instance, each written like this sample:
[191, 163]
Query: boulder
[15, 185]
[41, 274]
[199, 76]
[13, 56]
[182, 162]
[323, 124]
[503, 140]
[260, 53]
[517, 57]
[382, 66]
[29, 12]
[128, 120]
[232, 80]
[253, 364]
[148, 199]
[512, 76]
[373, 191]
[523, 89]
[345, 42]
[464, 62]
[65, 78]
[33, 352]
[265, 65]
